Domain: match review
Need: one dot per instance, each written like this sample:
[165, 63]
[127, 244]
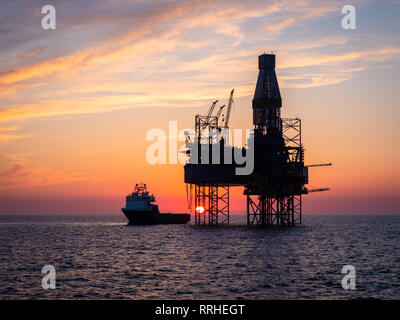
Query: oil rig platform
[275, 187]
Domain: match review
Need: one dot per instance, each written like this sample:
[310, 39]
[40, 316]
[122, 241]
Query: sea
[101, 257]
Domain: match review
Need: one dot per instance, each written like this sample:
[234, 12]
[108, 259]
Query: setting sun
[200, 209]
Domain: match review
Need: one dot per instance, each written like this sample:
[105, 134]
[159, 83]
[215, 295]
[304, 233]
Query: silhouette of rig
[276, 185]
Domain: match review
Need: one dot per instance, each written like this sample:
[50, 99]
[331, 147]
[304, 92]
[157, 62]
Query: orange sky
[76, 102]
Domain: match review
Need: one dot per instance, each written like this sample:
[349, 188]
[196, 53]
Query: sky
[77, 102]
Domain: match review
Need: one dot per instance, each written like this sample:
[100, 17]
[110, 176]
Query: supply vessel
[140, 209]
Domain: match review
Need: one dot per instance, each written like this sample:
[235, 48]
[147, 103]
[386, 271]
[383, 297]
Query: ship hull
[136, 217]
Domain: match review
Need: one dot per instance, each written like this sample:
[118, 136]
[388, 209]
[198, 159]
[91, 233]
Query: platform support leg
[268, 211]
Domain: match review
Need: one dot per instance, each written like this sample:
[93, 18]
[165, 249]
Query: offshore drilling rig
[275, 187]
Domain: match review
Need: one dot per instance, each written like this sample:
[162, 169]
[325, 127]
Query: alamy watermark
[209, 147]
[49, 20]
[349, 20]
[49, 280]
[349, 280]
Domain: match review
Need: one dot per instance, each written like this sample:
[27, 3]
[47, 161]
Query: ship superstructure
[140, 199]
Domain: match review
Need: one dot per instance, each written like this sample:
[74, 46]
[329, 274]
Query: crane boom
[228, 111]
[319, 165]
[211, 109]
[220, 111]
[318, 190]
[207, 120]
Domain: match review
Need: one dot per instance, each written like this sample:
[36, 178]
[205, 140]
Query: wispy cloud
[309, 80]
[307, 60]
[18, 174]
[147, 51]
[8, 134]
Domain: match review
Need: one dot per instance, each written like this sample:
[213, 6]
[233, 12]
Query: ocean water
[100, 257]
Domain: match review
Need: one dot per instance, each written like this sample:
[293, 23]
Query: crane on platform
[219, 112]
[208, 117]
[228, 110]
